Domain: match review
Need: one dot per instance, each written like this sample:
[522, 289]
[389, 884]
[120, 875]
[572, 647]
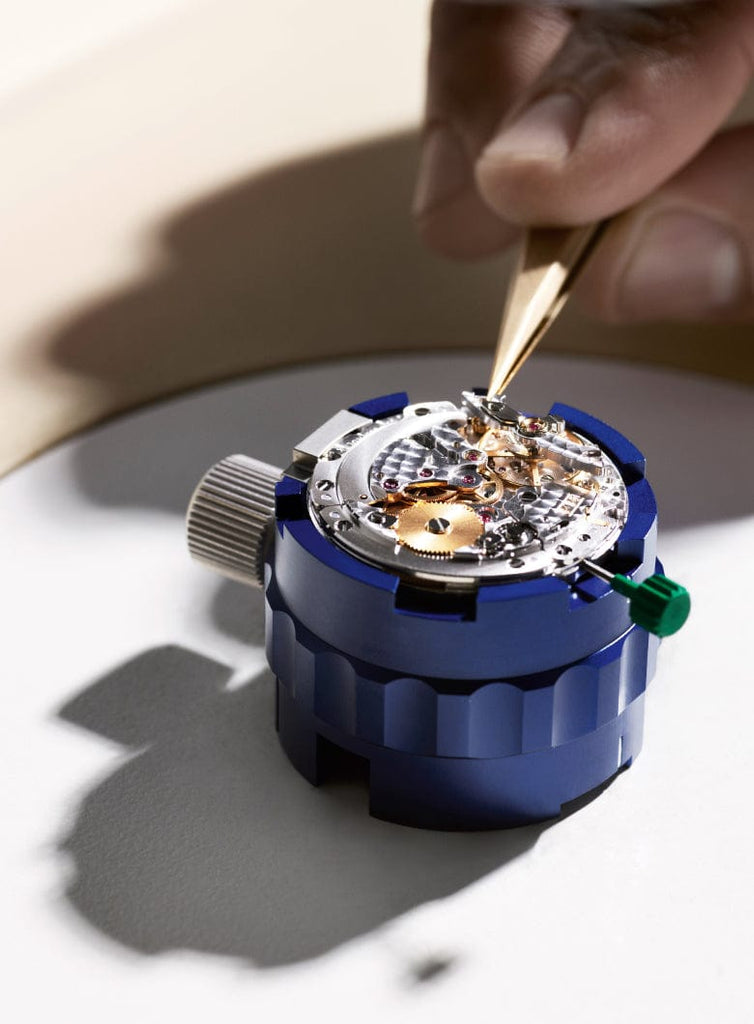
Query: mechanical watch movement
[464, 596]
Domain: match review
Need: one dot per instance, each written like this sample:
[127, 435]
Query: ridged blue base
[506, 752]
[467, 793]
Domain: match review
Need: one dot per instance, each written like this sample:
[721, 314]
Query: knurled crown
[230, 516]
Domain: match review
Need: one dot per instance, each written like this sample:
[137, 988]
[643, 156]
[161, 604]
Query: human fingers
[686, 252]
[481, 58]
[630, 97]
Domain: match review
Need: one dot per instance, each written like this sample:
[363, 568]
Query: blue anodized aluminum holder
[488, 712]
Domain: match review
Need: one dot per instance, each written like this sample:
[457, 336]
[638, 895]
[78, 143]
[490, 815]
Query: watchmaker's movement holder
[476, 701]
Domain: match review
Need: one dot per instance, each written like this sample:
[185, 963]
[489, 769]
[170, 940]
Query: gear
[438, 527]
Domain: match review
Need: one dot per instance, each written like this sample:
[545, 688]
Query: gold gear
[438, 527]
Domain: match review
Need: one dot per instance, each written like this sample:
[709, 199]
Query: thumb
[687, 252]
[629, 98]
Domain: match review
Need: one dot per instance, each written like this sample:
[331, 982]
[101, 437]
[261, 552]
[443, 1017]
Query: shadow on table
[207, 838]
[317, 259]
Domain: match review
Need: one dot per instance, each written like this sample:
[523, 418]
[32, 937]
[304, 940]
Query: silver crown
[230, 517]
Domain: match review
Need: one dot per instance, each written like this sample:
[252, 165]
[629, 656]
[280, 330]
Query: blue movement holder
[483, 712]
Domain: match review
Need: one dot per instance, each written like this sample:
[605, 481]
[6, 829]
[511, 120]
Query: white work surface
[164, 862]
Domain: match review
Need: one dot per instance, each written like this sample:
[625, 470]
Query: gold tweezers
[551, 260]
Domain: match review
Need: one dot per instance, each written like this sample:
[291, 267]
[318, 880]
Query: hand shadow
[309, 260]
[317, 259]
[207, 838]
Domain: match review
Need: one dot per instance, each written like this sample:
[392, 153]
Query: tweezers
[550, 261]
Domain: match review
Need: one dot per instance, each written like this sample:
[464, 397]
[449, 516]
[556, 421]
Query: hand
[539, 115]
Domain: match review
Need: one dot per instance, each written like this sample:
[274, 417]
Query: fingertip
[684, 265]
[450, 216]
[565, 164]
[464, 228]
[444, 169]
[668, 260]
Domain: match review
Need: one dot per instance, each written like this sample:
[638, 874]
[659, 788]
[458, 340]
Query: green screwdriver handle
[659, 605]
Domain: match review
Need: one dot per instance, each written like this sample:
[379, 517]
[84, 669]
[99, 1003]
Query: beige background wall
[215, 189]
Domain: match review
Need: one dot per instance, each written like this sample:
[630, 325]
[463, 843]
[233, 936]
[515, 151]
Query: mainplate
[468, 491]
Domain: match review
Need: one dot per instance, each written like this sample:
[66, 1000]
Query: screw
[438, 525]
